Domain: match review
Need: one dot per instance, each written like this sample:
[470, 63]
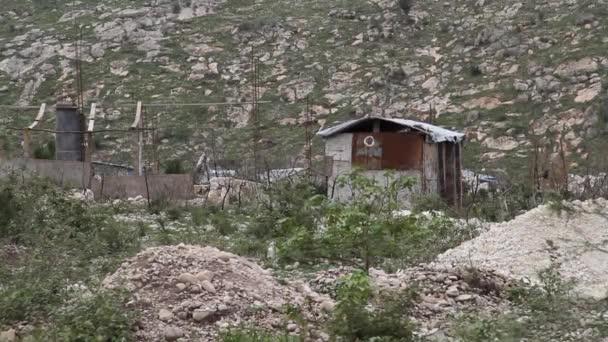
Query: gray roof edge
[437, 134]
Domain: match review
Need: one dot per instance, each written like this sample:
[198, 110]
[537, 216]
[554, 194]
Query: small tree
[353, 319]
[176, 8]
[363, 227]
[406, 5]
[174, 167]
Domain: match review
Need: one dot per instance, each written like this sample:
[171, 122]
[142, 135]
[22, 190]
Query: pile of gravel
[575, 238]
[195, 292]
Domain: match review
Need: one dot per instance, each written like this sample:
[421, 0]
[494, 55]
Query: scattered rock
[588, 94]
[452, 291]
[9, 335]
[574, 68]
[464, 298]
[173, 333]
[207, 286]
[187, 278]
[165, 315]
[583, 19]
[200, 315]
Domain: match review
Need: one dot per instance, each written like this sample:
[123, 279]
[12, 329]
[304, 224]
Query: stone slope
[505, 72]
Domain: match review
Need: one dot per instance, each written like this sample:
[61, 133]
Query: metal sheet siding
[391, 151]
[368, 158]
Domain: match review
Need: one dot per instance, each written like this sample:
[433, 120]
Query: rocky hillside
[506, 72]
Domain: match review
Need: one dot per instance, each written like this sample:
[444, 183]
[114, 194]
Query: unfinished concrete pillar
[69, 139]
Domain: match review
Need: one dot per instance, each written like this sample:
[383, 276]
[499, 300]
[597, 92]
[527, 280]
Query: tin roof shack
[428, 153]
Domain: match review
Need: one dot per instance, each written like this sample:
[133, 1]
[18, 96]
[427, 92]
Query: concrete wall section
[345, 193]
[159, 186]
[69, 174]
[339, 150]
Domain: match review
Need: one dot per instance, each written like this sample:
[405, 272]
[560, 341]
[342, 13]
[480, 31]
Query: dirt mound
[442, 293]
[195, 292]
[576, 238]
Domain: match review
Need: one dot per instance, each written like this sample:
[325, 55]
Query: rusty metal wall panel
[402, 151]
[366, 157]
[396, 151]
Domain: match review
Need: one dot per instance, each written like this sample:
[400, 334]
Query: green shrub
[199, 216]
[176, 8]
[429, 202]
[174, 167]
[255, 335]
[96, 317]
[353, 320]
[64, 242]
[364, 231]
[406, 5]
[475, 70]
[174, 213]
[46, 151]
[505, 328]
[542, 312]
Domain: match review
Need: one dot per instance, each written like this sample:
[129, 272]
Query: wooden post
[89, 143]
[137, 125]
[140, 145]
[27, 148]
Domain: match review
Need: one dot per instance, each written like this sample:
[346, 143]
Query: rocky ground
[196, 292]
[442, 293]
[505, 72]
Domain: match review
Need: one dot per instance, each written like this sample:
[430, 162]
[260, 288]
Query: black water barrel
[69, 146]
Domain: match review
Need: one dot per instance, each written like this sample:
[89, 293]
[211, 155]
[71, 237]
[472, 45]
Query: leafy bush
[354, 320]
[176, 8]
[96, 317]
[174, 213]
[475, 70]
[406, 5]
[478, 329]
[174, 167]
[255, 335]
[63, 242]
[542, 312]
[46, 151]
[429, 202]
[364, 231]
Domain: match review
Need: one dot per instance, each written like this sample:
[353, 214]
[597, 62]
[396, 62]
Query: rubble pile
[572, 236]
[196, 292]
[442, 293]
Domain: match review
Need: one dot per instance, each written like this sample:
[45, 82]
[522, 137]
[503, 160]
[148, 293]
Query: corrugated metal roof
[436, 133]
